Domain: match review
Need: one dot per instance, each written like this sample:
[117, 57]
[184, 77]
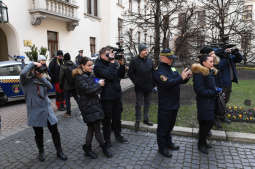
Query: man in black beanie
[140, 72]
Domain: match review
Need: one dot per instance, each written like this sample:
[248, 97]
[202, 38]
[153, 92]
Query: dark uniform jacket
[112, 73]
[168, 81]
[54, 69]
[205, 89]
[89, 91]
[226, 67]
[140, 72]
[65, 76]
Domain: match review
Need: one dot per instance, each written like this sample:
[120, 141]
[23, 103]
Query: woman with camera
[206, 91]
[89, 89]
[40, 112]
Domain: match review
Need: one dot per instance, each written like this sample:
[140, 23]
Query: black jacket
[112, 73]
[54, 69]
[88, 90]
[168, 81]
[205, 89]
[66, 80]
[140, 72]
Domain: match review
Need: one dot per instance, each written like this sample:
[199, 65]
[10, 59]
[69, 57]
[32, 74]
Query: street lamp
[3, 13]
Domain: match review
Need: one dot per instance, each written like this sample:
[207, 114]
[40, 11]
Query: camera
[42, 69]
[119, 51]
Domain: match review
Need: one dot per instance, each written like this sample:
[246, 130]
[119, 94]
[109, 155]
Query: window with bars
[120, 28]
[52, 42]
[92, 7]
[246, 41]
[92, 45]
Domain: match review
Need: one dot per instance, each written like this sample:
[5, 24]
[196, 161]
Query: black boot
[137, 126]
[88, 151]
[57, 143]
[40, 146]
[106, 151]
[202, 148]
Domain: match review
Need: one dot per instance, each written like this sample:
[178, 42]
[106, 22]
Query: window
[52, 42]
[120, 2]
[120, 28]
[200, 39]
[145, 38]
[13, 70]
[246, 41]
[138, 37]
[92, 46]
[139, 6]
[201, 18]
[150, 40]
[181, 19]
[92, 7]
[248, 12]
[131, 35]
[130, 5]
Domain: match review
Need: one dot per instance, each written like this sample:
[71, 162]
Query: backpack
[69, 78]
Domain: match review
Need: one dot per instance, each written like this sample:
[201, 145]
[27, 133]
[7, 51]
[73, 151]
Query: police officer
[168, 81]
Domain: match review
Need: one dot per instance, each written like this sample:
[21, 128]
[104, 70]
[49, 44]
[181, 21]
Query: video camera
[42, 69]
[118, 52]
[220, 49]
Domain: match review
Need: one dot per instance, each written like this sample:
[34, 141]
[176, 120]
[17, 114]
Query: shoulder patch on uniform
[163, 78]
[173, 69]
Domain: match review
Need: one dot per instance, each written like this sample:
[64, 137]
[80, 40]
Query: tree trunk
[157, 33]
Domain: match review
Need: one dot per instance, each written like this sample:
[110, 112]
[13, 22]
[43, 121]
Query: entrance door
[3, 46]
[52, 43]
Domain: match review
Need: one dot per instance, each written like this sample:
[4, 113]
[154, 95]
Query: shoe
[67, 115]
[106, 151]
[209, 134]
[121, 139]
[61, 156]
[208, 146]
[148, 123]
[217, 124]
[203, 149]
[165, 153]
[41, 156]
[174, 147]
[88, 151]
[137, 126]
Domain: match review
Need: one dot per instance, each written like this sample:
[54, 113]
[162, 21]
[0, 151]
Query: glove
[155, 90]
[218, 89]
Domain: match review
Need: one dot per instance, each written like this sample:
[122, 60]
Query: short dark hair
[104, 49]
[84, 60]
[203, 58]
[67, 56]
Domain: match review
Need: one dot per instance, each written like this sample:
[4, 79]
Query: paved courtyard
[19, 151]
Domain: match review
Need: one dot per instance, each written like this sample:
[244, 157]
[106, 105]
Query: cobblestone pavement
[19, 151]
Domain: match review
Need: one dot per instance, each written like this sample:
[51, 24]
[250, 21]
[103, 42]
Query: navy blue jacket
[112, 73]
[168, 81]
[205, 89]
[140, 72]
[223, 78]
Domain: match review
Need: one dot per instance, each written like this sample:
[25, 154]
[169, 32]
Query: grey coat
[39, 109]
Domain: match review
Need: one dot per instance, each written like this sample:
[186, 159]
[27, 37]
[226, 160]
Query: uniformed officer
[168, 81]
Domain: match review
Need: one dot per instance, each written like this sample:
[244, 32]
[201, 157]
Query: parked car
[10, 89]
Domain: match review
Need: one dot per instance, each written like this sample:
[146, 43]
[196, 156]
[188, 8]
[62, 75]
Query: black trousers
[166, 122]
[55, 137]
[204, 127]
[112, 120]
[142, 97]
[68, 95]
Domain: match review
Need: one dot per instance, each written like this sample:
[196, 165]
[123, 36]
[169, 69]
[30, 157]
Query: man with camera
[40, 112]
[140, 72]
[168, 81]
[112, 70]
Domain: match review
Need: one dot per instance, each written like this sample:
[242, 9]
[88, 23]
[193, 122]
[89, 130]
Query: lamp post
[3, 13]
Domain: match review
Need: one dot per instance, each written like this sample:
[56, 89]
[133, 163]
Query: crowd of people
[97, 91]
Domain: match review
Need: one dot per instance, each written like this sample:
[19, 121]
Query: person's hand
[228, 50]
[189, 73]
[101, 82]
[218, 89]
[37, 64]
[184, 74]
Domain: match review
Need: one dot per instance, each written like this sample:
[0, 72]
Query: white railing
[64, 8]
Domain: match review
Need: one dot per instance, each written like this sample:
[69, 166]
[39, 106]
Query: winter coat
[205, 89]
[140, 72]
[112, 73]
[225, 66]
[54, 69]
[168, 81]
[39, 109]
[89, 91]
[66, 80]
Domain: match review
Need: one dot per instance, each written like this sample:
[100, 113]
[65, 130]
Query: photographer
[40, 112]
[227, 71]
[140, 72]
[106, 67]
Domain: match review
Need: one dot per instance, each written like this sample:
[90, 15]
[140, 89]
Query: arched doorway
[3, 46]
